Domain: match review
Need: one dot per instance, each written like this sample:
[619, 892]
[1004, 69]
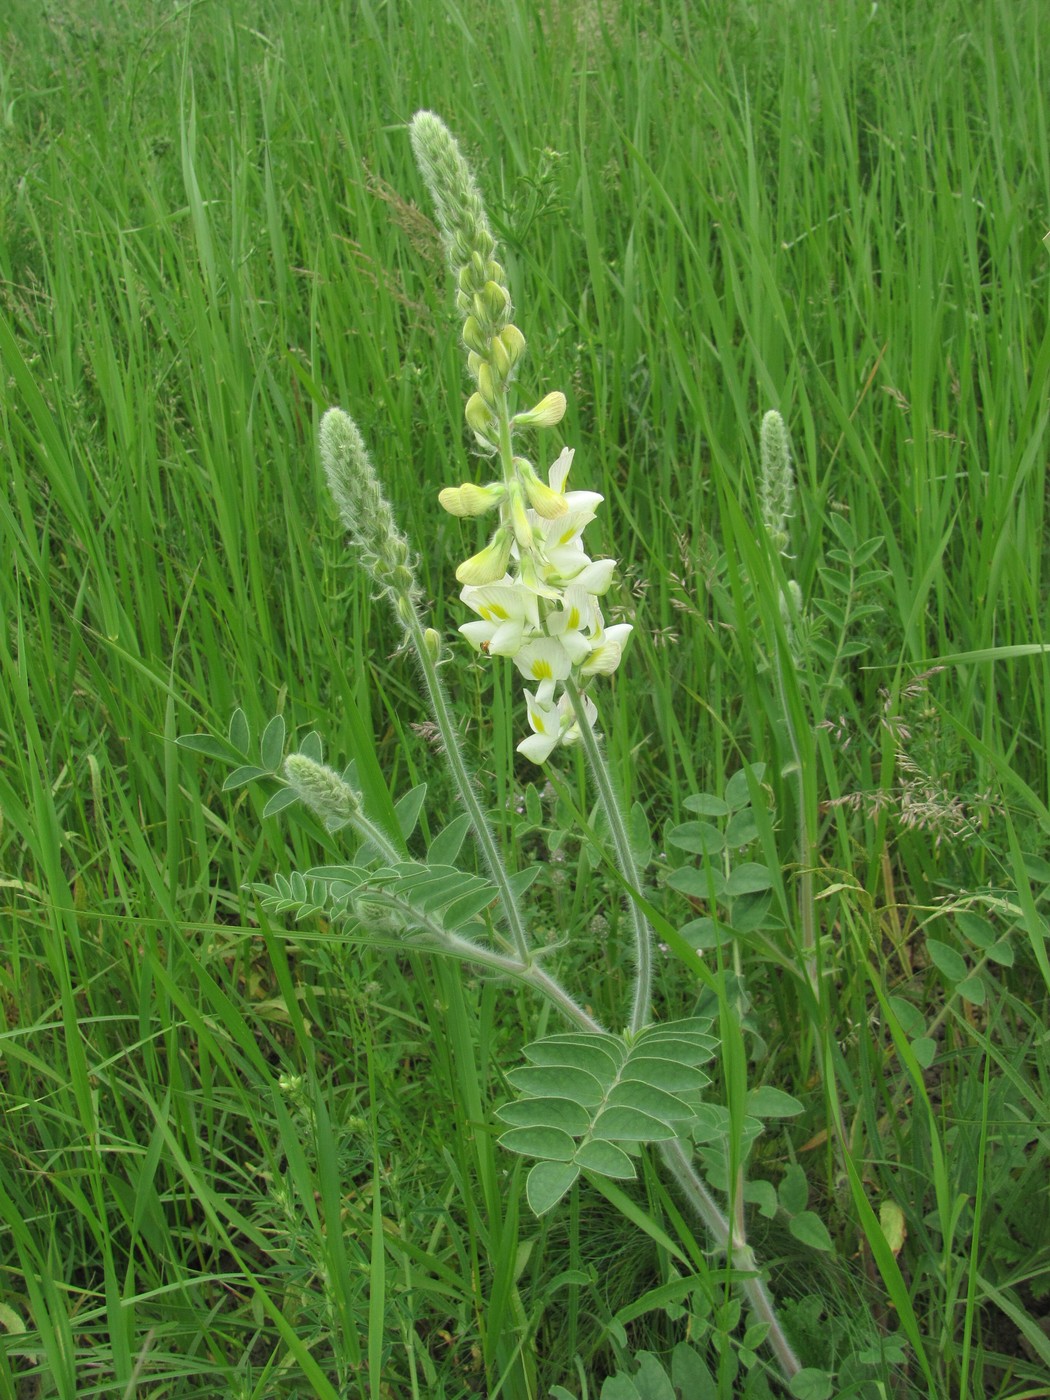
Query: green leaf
[547, 1183]
[793, 1191]
[245, 774]
[809, 1229]
[602, 1056]
[741, 829]
[698, 884]
[271, 745]
[811, 1384]
[632, 1094]
[312, 747]
[279, 801]
[973, 990]
[1002, 953]
[640, 836]
[706, 933]
[705, 804]
[749, 878]
[760, 1193]
[631, 1125]
[206, 744]
[667, 1074]
[533, 805]
[571, 1117]
[521, 880]
[446, 845]
[976, 929]
[407, 809]
[240, 733]
[912, 1021]
[558, 1081]
[738, 791]
[767, 1102]
[605, 1159]
[1037, 868]
[552, 1144]
[925, 1051]
[698, 838]
[946, 960]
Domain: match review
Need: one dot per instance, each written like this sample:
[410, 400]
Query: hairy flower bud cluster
[364, 509]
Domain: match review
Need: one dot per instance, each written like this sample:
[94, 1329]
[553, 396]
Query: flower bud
[542, 499]
[489, 386]
[513, 342]
[490, 564]
[480, 419]
[474, 338]
[499, 359]
[519, 517]
[432, 642]
[321, 789]
[547, 412]
[469, 499]
[495, 301]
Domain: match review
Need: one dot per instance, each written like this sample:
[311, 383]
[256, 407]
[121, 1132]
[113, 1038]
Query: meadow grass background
[241, 1160]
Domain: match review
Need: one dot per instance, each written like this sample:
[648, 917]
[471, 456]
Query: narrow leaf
[240, 733]
[446, 845]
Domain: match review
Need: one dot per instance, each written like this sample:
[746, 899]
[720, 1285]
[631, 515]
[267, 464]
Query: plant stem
[611, 805]
[483, 833]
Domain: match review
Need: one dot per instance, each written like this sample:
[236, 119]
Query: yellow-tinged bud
[473, 363]
[513, 342]
[490, 564]
[496, 301]
[469, 499]
[548, 411]
[480, 419]
[474, 338]
[432, 642]
[488, 385]
[519, 517]
[499, 359]
[550, 504]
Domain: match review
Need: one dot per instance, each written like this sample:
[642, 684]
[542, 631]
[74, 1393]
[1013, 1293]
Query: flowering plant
[590, 1099]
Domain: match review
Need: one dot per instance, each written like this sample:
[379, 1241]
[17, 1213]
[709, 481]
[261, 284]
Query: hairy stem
[614, 814]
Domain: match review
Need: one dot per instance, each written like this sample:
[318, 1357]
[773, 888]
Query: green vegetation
[245, 1156]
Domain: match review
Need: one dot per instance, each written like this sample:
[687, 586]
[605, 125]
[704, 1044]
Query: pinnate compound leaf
[590, 1099]
[547, 1183]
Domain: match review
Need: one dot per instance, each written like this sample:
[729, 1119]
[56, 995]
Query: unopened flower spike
[364, 509]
